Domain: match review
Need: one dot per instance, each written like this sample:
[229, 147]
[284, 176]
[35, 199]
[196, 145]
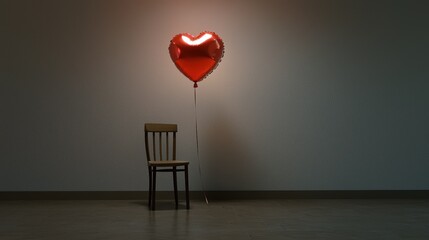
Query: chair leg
[153, 187]
[150, 188]
[187, 187]
[176, 197]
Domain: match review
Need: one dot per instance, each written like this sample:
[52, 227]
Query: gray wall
[310, 95]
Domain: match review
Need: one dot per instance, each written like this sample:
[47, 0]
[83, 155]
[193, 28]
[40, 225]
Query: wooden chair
[160, 144]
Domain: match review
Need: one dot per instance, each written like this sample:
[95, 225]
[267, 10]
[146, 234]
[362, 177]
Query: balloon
[196, 57]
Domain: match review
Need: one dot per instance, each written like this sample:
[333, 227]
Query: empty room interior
[283, 119]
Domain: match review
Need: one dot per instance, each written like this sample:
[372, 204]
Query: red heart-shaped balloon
[196, 57]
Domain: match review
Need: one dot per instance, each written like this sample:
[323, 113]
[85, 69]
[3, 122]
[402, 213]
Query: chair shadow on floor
[162, 205]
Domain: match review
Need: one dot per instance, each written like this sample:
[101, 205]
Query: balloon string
[198, 149]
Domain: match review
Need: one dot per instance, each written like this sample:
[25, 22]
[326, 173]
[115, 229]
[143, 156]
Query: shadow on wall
[227, 158]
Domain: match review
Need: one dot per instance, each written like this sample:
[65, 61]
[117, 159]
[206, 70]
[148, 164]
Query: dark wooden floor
[253, 219]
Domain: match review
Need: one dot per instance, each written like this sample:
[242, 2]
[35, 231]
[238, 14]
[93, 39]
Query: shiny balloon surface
[196, 57]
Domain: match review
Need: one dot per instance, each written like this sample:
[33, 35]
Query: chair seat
[168, 163]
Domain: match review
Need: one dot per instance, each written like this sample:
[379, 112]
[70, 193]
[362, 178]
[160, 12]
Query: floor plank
[241, 219]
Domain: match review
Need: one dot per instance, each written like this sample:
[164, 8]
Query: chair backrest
[160, 141]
